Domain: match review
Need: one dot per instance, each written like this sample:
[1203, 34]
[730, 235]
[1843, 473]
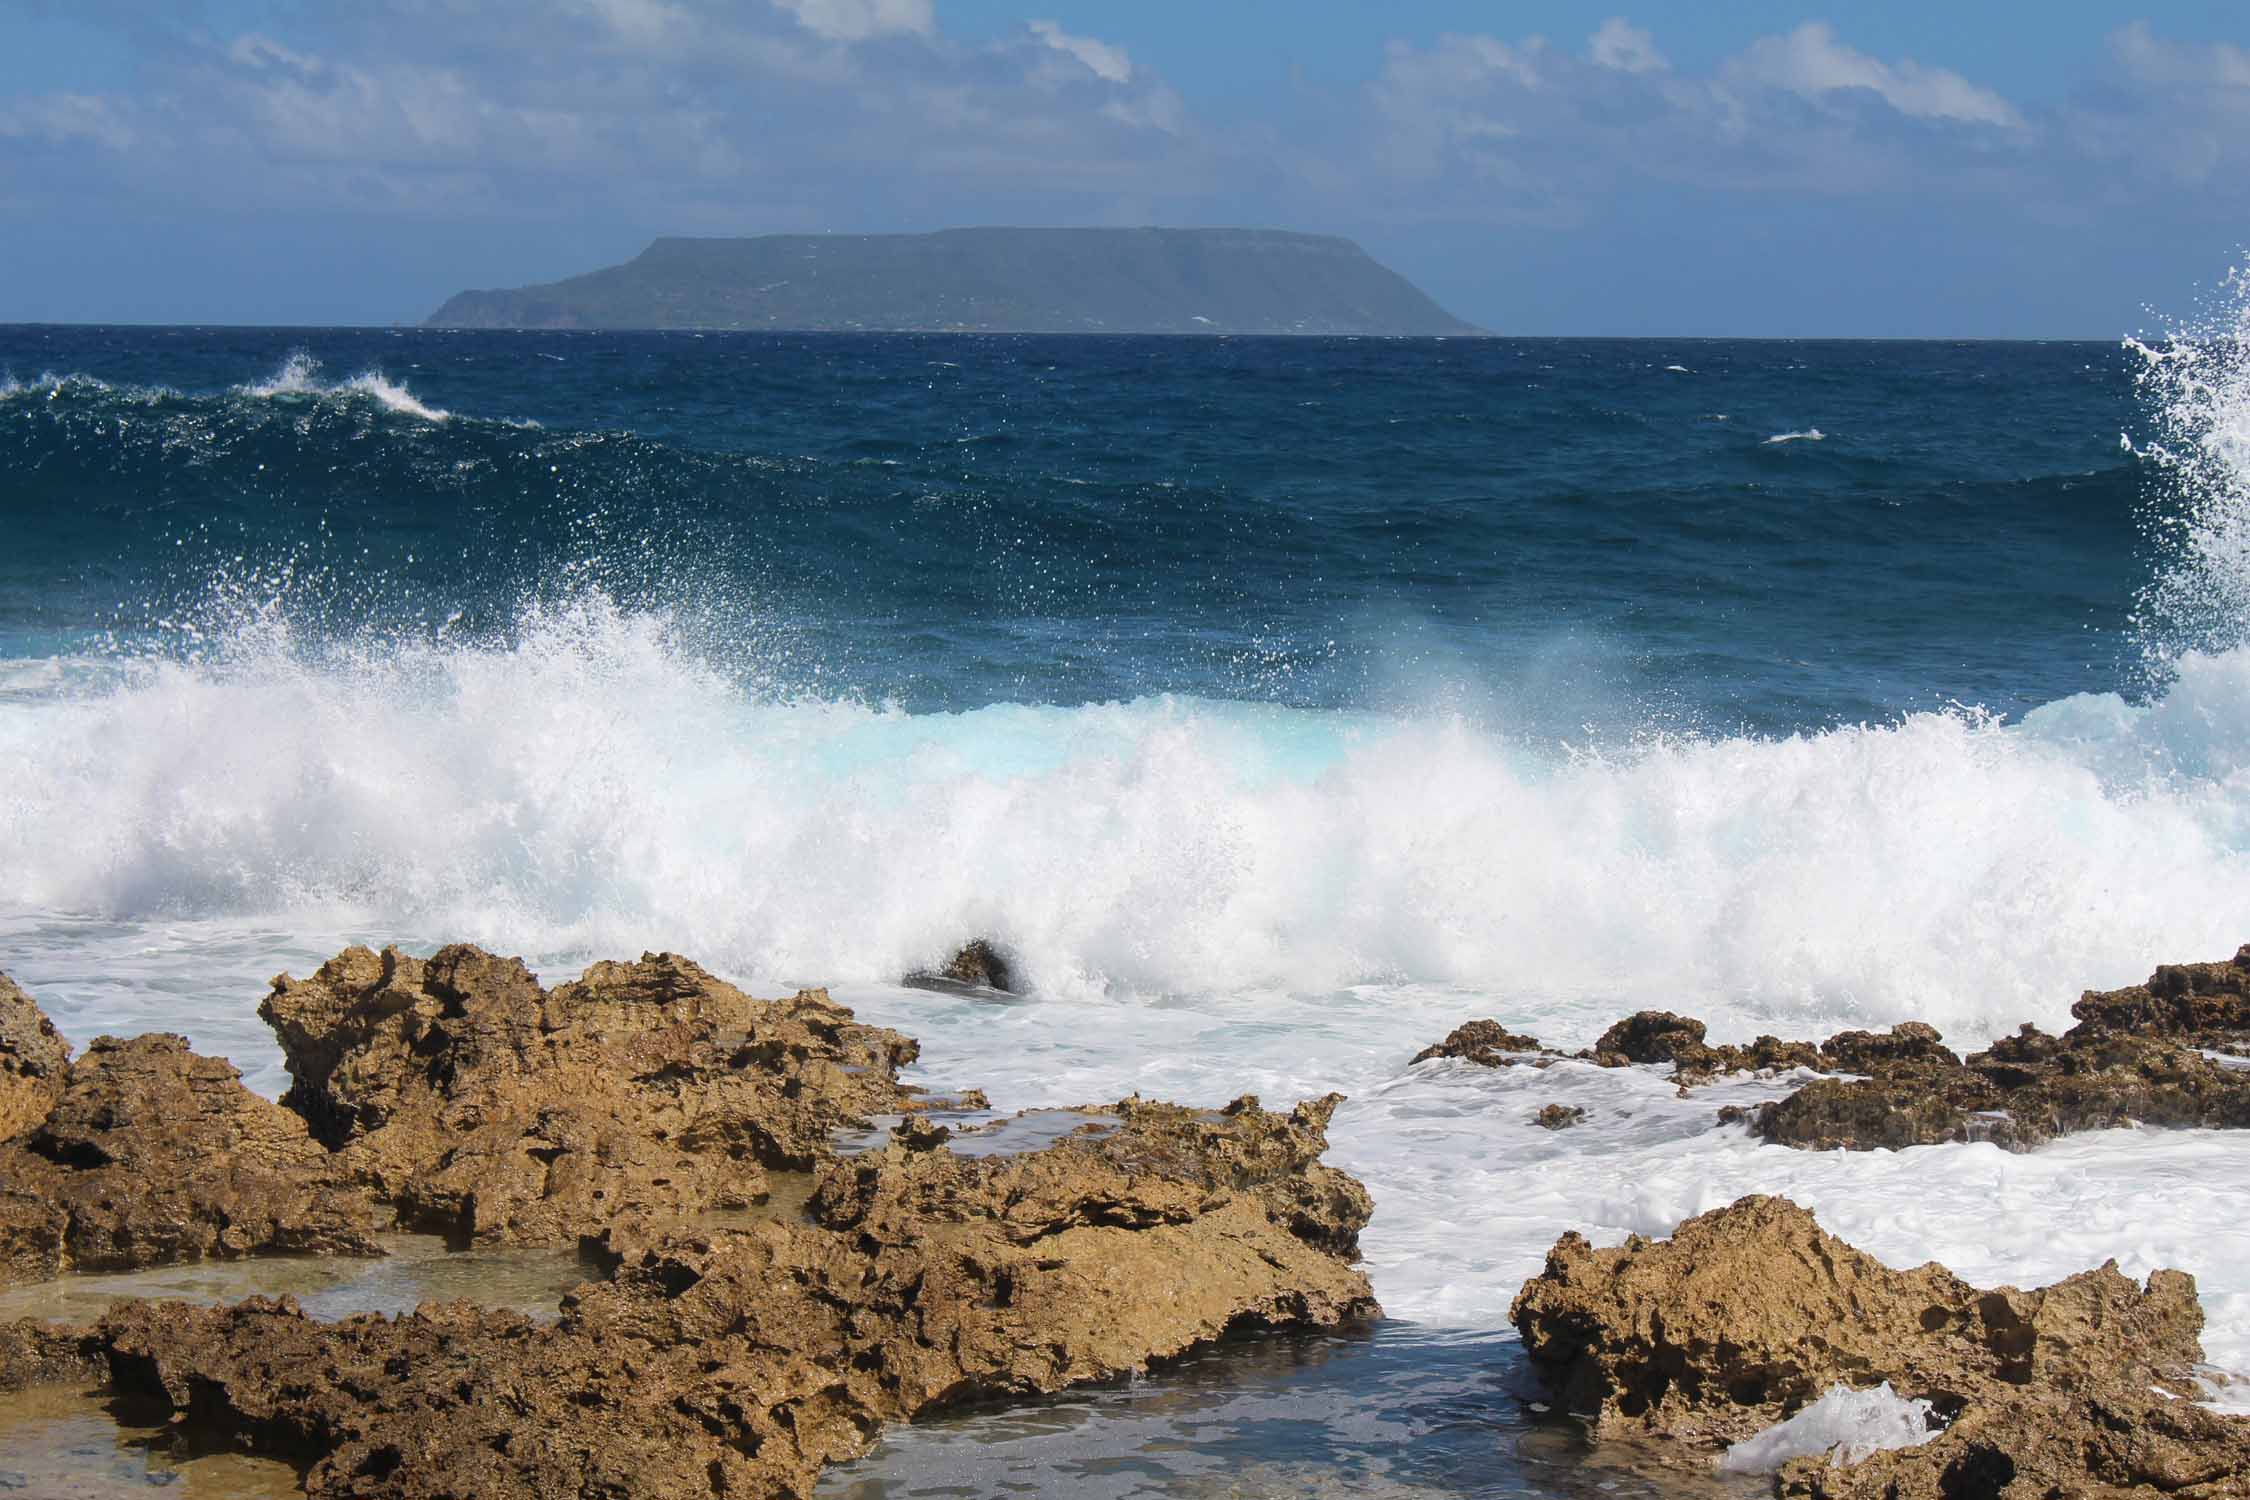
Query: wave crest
[594, 784]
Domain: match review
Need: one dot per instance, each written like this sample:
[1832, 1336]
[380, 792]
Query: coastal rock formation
[978, 963]
[151, 1154]
[34, 1062]
[1750, 1312]
[1485, 1042]
[1645, 1037]
[495, 1111]
[2172, 1052]
[741, 1360]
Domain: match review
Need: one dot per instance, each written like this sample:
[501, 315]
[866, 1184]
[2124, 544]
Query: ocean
[1278, 705]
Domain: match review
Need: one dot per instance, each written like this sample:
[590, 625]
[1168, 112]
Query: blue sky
[1913, 168]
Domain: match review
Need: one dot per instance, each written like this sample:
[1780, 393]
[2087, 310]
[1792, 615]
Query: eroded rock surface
[1485, 1042]
[739, 1361]
[2172, 1052]
[495, 1111]
[977, 964]
[1747, 1313]
[2164, 1053]
[34, 1062]
[151, 1154]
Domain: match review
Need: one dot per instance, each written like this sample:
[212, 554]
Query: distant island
[982, 281]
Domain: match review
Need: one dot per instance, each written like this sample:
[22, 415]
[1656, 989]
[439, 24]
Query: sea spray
[593, 783]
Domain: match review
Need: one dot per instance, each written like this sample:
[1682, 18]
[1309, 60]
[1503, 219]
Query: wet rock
[152, 1155]
[32, 1354]
[1558, 1116]
[2207, 1002]
[1651, 1036]
[1486, 1042]
[2138, 1056]
[34, 1062]
[2120, 1443]
[1748, 1313]
[979, 964]
[495, 1111]
[740, 1361]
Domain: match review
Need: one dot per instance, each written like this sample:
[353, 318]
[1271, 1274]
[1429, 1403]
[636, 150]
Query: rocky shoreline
[632, 1113]
[2172, 1052]
[786, 1249]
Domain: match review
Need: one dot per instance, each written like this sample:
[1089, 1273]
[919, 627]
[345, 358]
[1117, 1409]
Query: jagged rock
[495, 1111]
[1486, 1042]
[2164, 1053]
[34, 1062]
[2208, 1002]
[740, 1361]
[1747, 1313]
[2118, 1444]
[1646, 1037]
[1651, 1036]
[2137, 1056]
[1558, 1116]
[979, 964]
[153, 1155]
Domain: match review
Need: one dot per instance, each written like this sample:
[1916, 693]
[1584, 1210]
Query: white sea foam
[597, 785]
[2195, 387]
[299, 376]
[1809, 435]
[1844, 1424]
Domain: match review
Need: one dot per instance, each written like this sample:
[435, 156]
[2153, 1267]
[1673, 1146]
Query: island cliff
[982, 281]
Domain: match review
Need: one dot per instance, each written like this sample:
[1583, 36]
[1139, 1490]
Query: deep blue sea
[1278, 703]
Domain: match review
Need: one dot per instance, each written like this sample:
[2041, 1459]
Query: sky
[1971, 168]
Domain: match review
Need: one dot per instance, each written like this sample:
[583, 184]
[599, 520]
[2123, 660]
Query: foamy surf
[299, 376]
[1809, 435]
[597, 784]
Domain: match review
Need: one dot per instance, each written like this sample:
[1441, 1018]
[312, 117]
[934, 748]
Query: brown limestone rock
[2207, 1002]
[2118, 1444]
[1747, 1313]
[1485, 1042]
[495, 1111]
[1558, 1116]
[153, 1155]
[2137, 1056]
[34, 1062]
[1651, 1036]
[740, 1361]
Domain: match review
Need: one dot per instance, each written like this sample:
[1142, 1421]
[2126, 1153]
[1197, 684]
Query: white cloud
[1623, 47]
[1104, 59]
[644, 23]
[2151, 60]
[1160, 108]
[67, 117]
[255, 51]
[858, 20]
[1813, 64]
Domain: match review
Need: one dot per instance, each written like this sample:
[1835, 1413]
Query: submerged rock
[1749, 1313]
[1558, 1116]
[495, 1111]
[740, 1361]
